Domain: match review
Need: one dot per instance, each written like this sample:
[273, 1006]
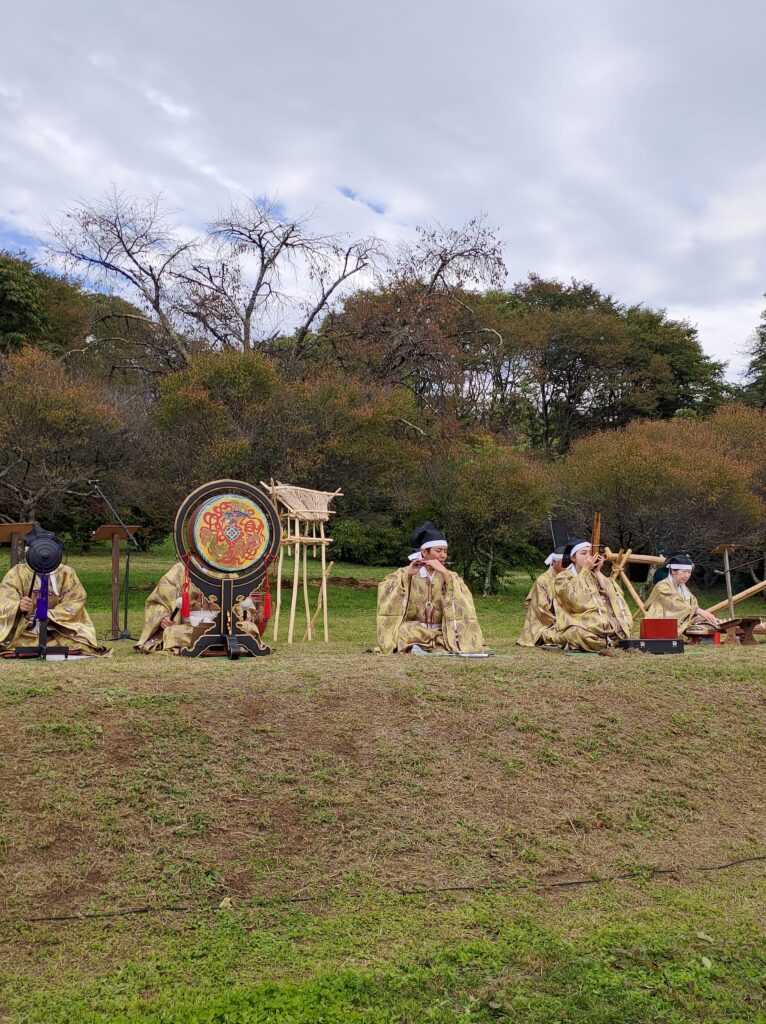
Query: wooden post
[323, 594]
[750, 592]
[296, 578]
[278, 605]
[13, 534]
[306, 588]
[115, 533]
[727, 570]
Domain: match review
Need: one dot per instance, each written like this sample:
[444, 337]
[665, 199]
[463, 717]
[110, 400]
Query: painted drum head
[231, 532]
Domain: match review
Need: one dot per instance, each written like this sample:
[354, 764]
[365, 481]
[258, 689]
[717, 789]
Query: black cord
[425, 891]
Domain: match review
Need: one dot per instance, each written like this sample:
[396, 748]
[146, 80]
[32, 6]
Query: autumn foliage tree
[58, 432]
[664, 485]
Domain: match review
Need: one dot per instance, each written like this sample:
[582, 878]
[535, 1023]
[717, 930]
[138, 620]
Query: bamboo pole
[279, 593]
[314, 535]
[319, 599]
[595, 536]
[306, 589]
[296, 578]
[612, 556]
[324, 584]
[740, 597]
[621, 572]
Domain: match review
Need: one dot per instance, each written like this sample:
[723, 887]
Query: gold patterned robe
[669, 601]
[69, 625]
[436, 614]
[540, 622]
[165, 600]
[591, 612]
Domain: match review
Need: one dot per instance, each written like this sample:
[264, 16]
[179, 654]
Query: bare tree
[131, 241]
[253, 276]
[453, 259]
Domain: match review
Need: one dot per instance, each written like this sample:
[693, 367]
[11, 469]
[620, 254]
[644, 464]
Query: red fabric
[185, 604]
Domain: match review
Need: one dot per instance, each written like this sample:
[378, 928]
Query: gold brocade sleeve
[540, 620]
[460, 625]
[393, 594]
[11, 592]
[161, 602]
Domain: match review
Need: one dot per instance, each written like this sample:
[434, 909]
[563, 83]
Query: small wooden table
[748, 625]
[115, 533]
[12, 533]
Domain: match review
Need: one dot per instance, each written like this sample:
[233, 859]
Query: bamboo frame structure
[304, 513]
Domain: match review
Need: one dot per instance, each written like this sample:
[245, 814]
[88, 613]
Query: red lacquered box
[659, 629]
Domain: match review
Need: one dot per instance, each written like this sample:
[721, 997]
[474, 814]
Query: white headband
[433, 544]
[675, 565]
[553, 557]
[413, 556]
[579, 547]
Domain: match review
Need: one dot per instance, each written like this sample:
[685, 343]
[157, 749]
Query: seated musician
[166, 631]
[672, 599]
[540, 622]
[424, 607]
[69, 624]
[591, 613]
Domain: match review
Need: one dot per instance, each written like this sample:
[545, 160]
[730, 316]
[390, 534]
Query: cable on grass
[327, 894]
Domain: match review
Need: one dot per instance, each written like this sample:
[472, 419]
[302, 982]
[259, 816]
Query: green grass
[326, 773]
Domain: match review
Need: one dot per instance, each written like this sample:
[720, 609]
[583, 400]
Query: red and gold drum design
[231, 532]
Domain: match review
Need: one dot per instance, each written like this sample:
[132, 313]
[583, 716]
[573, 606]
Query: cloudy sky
[617, 142]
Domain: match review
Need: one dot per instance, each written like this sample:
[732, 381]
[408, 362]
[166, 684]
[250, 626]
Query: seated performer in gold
[424, 607]
[672, 599]
[591, 613]
[69, 624]
[165, 631]
[540, 622]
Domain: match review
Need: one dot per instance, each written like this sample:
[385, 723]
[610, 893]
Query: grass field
[330, 836]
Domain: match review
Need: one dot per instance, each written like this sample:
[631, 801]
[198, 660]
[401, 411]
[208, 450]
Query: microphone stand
[132, 543]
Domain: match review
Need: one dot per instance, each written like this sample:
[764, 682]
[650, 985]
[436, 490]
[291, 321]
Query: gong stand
[41, 649]
[223, 590]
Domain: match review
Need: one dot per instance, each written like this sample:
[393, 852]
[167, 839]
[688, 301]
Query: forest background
[411, 376]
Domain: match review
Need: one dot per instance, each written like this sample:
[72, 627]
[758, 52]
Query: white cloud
[603, 148]
[167, 105]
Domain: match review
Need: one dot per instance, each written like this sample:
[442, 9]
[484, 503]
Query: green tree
[755, 375]
[23, 317]
[490, 499]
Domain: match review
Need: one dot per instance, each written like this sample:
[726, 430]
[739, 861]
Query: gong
[227, 532]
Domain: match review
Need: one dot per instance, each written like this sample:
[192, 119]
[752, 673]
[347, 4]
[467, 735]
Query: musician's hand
[593, 562]
[434, 563]
[166, 623]
[414, 568]
[26, 604]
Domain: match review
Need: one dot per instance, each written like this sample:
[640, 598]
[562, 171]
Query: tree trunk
[488, 574]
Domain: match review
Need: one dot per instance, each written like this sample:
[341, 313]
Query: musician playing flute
[540, 622]
[591, 612]
[424, 607]
[672, 599]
